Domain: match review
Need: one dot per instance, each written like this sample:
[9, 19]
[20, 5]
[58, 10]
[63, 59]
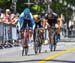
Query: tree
[61, 8]
[55, 5]
[5, 4]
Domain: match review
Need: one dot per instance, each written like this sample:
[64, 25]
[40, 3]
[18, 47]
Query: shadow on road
[63, 61]
[45, 52]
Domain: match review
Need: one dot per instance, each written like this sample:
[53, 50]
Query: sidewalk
[67, 39]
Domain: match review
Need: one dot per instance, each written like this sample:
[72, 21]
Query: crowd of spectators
[8, 17]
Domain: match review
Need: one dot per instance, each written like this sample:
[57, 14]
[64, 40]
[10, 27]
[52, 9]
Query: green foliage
[61, 8]
[38, 8]
[5, 4]
[55, 6]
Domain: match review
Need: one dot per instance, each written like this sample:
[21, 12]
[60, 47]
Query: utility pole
[14, 5]
[29, 3]
[48, 5]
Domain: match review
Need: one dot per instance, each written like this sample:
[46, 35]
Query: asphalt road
[65, 53]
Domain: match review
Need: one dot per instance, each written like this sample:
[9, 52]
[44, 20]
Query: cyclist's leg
[54, 47]
[36, 49]
[23, 51]
[39, 49]
[26, 51]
